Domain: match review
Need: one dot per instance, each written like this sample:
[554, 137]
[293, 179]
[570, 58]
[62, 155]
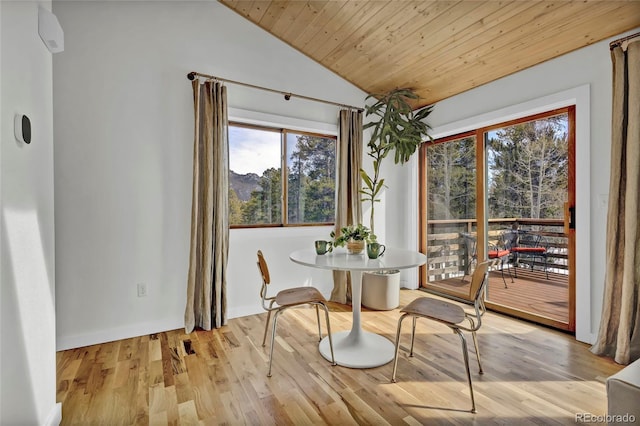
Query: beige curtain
[348, 202]
[619, 334]
[206, 282]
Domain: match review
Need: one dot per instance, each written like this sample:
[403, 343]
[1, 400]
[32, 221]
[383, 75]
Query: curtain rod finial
[191, 76]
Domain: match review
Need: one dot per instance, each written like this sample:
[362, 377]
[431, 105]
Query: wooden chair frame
[287, 299]
[453, 316]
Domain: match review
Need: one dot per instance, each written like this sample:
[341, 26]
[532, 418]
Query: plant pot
[355, 246]
[381, 290]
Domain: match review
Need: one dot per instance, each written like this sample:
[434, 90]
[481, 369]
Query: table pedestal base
[358, 349]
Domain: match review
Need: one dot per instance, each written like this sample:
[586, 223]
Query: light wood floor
[533, 375]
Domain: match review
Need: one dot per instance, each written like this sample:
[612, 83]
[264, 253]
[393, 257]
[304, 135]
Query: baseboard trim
[588, 338]
[55, 415]
[112, 334]
[103, 336]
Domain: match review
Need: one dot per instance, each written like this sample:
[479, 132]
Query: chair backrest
[479, 279]
[263, 268]
[510, 239]
[529, 240]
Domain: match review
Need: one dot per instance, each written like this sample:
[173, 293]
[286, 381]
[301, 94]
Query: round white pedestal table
[358, 348]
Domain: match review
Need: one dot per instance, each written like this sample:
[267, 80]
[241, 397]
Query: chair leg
[466, 270]
[395, 358]
[273, 337]
[475, 343]
[502, 272]
[509, 270]
[413, 334]
[326, 314]
[319, 327]
[266, 327]
[546, 270]
[465, 355]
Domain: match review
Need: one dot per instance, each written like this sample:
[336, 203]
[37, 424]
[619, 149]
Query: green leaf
[366, 179]
[396, 128]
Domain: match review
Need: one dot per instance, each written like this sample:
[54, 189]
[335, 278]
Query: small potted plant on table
[353, 236]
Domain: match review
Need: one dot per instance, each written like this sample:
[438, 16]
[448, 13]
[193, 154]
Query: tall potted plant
[401, 130]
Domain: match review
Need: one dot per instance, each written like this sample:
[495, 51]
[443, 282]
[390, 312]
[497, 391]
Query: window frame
[283, 131]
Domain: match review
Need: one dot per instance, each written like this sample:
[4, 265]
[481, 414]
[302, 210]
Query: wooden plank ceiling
[437, 48]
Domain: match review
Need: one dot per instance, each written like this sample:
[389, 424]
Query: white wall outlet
[142, 290]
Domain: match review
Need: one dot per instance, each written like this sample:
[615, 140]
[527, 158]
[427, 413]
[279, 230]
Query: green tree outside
[311, 171]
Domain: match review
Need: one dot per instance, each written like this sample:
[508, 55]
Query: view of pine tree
[528, 172]
[311, 170]
[528, 169]
[265, 204]
[235, 207]
[311, 179]
[452, 180]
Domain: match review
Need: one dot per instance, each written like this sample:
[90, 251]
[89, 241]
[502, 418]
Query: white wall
[123, 128]
[27, 319]
[589, 66]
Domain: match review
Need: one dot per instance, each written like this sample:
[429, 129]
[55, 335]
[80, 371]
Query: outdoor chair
[289, 298]
[525, 244]
[453, 316]
[497, 250]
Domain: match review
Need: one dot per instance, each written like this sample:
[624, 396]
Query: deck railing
[448, 255]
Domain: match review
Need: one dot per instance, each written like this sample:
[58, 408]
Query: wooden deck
[531, 292]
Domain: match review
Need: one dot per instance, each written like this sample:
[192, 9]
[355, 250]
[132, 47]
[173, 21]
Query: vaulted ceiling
[437, 48]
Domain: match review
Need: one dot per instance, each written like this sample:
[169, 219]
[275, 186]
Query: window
[280, 177]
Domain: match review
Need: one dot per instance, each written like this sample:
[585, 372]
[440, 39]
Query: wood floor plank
[171, 405]
[533, 376]
[159, 419]
[188, 413]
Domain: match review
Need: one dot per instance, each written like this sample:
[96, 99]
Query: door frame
[482, 211]
[580, 97]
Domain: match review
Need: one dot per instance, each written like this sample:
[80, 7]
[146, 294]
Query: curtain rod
[616, 43]
[287, 95]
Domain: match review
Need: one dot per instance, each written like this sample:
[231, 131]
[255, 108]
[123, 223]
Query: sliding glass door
[522, 174]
